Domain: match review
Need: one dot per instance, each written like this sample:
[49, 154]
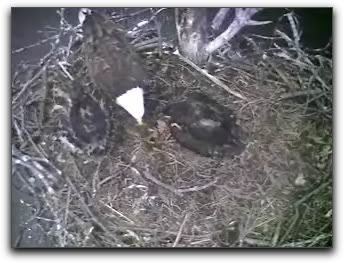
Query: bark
[242, 19]
[219, 18]
[192, 33]
[192, 30]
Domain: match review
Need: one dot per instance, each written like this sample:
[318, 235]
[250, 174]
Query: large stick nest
[162, 195]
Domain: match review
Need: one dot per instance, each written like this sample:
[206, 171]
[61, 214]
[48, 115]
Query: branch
[198, 188]
[28, 84]
[148, 175]
[180, 230]
[219, 17]
[296, 34]
[242, 19]
[258, 23]
[209, 76]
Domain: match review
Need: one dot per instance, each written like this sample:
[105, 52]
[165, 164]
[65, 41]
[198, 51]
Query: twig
[139, 12]
[296, 34]
[46, 58]
[19, 132]
[291, 84]
[144, 23]
[297, 212]
[300, 93]
[312, 241]
[197, 188]
[88, 210]
[34, 45]
[150, 46]
[153, 40]
[61, 64]
[38, 149]
[37, 170]
[109, 178]
[146, 33]
[158, 12]
[309, 195]
[26, 183]
[43, 104]
[95, 180]
[211, 77]
[147, 174]
[276, 234]
[65, 220]
[119, 213]
[28, 83]
[180, 231]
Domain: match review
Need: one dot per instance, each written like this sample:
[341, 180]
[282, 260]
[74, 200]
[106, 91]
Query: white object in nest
[132, 102]
[176, 52]
[142, 23]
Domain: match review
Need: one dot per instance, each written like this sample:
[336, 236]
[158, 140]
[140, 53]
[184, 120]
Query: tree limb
[219, 17]
[242, 19]
[258, 23]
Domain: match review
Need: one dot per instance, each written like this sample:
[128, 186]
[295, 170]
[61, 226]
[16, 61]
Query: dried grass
[161, 195]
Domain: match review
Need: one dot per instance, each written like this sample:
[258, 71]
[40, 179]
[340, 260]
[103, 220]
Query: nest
[149, 191]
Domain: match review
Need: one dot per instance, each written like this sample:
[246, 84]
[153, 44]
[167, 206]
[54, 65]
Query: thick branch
[242, 18]
[192, 33]
[219, 17]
